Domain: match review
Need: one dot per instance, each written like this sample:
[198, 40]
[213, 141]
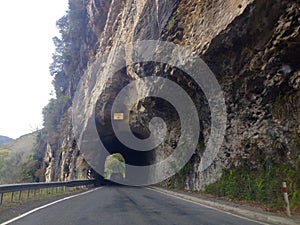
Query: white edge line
[210, 207]
[45, 206]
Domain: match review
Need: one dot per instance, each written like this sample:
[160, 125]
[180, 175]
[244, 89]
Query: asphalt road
[127, 205]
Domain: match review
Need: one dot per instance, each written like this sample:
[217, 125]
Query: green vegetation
[264, 186]
[259, 178]
[286, 107]
[114, 163]
[68, 54]
[171, 23]
[21, 162]
[69, 62]
[178, 180]
[53, 115]
[24, 143]
[119, 157]
[4, 153]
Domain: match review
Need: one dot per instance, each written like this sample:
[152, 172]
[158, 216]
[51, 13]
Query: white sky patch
[26, 48]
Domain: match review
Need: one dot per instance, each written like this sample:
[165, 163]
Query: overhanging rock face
[96, 93]
[252, 48]
[141, 20]
[93, 117]
[147, 107]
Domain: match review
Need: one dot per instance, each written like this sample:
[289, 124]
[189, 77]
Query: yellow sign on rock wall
[118, 116]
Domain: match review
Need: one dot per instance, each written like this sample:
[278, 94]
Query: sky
[26, 47]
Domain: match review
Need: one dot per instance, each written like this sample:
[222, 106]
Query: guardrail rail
[13, 188]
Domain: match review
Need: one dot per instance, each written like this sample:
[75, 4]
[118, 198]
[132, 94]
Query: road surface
[127, 205]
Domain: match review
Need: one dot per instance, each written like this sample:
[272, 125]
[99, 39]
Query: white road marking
[45, 206]
[206, 206]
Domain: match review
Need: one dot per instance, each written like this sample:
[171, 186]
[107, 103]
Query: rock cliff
[252, 46]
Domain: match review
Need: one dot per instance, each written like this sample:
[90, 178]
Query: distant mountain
[24, 143]
[4, 139]
[18, 162]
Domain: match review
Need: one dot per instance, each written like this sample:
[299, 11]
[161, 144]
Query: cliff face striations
[252, 46]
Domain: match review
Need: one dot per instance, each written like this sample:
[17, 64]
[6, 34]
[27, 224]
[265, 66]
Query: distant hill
[4, 139]
[24, 143]
[17, 162]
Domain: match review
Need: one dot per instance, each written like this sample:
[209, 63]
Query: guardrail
[13, 188]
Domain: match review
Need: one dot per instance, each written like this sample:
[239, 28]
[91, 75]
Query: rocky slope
[252, 46]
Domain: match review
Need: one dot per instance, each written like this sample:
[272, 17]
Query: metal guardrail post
[1, 198]
[19, 197]
[28, 193]
[34, 194]
[12, 197]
